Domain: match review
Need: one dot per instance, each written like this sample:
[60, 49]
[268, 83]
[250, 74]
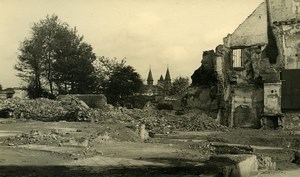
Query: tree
[124, 83]
[55, 57]
[104, 68]
[1, 87]
[179, 85]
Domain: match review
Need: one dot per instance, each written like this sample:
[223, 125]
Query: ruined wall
[291, 45]
[202, 97]
[241, 89]
[247, 106]
[205, 74]
[223, 68]
[283, 10]
[284, 19]
[246, 35]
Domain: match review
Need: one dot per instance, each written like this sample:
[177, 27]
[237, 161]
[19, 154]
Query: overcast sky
[146, 32]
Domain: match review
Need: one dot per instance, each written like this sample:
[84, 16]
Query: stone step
[175, 141]
[187, 135]
[276, 154]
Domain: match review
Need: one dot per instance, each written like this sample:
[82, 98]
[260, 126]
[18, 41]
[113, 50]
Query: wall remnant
[250, 63]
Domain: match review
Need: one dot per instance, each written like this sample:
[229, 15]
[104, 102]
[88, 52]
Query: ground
[34, 148]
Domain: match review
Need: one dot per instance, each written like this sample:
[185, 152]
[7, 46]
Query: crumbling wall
[203, 98]
[246, 34]
[247, 106]
[290, 36]
[203, 93]
[205, 74]
[283, 10]
[284, 21]
[223, 68]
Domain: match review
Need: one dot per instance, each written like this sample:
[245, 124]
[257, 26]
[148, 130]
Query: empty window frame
[237, 58]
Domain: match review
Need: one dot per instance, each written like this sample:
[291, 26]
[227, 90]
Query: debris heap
[69, 108]
[73, 109]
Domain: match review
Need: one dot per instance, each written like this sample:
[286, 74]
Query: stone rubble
[69, 108]
[73, 109]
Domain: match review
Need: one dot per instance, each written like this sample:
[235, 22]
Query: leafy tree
[104, 68]
[1, 87]
[124, 83]
[55, 57]
[30, 66]
[179, 85]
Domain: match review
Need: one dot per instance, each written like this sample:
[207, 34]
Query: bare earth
[33, 148]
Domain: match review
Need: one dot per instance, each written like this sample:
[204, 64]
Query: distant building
[161, 88]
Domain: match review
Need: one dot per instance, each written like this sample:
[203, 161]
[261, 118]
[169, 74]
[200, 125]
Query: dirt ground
[34, 148]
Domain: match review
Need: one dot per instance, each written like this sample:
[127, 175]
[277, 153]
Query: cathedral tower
[168, 77]
[150, 78]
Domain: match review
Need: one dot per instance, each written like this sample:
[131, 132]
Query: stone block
[241, 165]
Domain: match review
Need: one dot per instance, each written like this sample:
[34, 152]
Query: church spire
[150, 78]
[168, 77]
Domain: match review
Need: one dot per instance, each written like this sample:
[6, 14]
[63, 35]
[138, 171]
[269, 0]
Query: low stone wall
[92, 100]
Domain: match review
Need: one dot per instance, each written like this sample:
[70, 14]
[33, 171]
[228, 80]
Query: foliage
[55, 57]
[104, 68]
[179, 85]
[1, 88]
[123, 84]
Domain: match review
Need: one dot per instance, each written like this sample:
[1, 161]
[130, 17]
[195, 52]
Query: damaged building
[258, 68]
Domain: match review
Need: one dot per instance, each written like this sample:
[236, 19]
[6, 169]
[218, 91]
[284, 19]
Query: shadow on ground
[176, 168]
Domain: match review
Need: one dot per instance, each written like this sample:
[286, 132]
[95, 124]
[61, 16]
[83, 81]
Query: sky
[149, 33]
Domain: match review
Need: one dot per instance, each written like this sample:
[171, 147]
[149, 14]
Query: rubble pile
[37, 137]
[69, 108]
[197, 123]
[109, 116]
[157, 124]
[157, 121]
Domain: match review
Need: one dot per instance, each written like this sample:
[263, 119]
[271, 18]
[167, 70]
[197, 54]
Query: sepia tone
[150, 88]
